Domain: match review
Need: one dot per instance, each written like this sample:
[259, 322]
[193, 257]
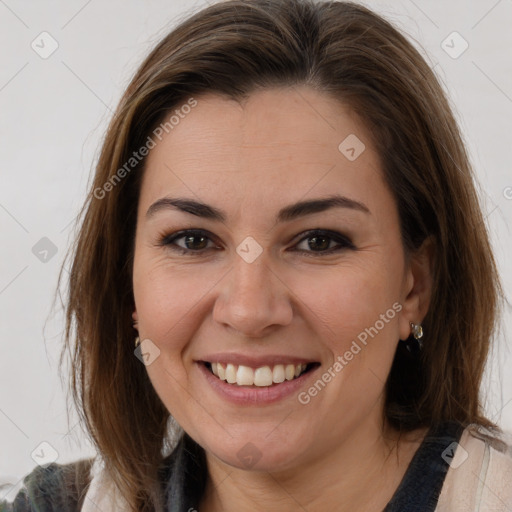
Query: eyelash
[169, 240]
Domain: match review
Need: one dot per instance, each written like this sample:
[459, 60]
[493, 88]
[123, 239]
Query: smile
[263, 376]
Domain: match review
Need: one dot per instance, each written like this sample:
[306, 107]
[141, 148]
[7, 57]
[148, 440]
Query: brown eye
[321, 242]
[195, 242]
[188, 242]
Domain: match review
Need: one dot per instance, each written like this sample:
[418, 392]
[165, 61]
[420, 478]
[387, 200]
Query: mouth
[261, 377]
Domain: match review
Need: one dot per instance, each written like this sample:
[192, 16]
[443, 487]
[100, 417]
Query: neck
[361, 474]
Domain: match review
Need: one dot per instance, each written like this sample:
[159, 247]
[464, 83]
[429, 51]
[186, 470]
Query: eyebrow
[286, 214]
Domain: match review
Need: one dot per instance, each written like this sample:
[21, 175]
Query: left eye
[197, 241]
[319, 241]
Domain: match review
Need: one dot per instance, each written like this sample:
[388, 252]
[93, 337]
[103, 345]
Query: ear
[417, 287]
[135, 319]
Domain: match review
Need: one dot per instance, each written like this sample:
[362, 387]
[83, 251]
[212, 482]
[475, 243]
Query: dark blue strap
[185, 476]
[421, 486]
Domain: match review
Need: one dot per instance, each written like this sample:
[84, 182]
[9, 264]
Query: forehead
[286, 142]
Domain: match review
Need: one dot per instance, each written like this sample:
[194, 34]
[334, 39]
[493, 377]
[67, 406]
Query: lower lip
[253, 395]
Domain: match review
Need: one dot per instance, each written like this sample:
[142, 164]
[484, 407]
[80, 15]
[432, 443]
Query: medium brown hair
[353, 55]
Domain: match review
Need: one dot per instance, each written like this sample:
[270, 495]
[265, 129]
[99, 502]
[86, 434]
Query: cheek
[355, 313]
[165, 297]
[165, 300]
[348, 299]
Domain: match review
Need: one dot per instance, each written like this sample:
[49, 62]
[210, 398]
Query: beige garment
[480, 475]
[102, 494]
[479, 478]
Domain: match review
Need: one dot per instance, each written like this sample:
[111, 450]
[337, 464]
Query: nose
[253, 299]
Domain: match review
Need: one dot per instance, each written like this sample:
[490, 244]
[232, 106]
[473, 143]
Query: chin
[258, 452]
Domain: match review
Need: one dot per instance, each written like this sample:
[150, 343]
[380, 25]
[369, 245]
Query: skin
[250, 160]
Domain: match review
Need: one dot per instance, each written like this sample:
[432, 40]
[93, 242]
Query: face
[255, 277]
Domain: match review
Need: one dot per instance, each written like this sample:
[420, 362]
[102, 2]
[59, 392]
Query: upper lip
[255, 361]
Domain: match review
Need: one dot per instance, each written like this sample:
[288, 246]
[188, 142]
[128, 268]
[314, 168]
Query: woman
[283, 218]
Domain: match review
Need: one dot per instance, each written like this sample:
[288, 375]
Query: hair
[354, 56]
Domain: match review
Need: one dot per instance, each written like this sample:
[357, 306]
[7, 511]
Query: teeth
[231, 373]
[245, 376]
[262, 377]
[289, 371]
[278, 373]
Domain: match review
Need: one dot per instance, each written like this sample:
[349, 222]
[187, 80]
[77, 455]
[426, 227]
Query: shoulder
[51, 488]
[480, 473]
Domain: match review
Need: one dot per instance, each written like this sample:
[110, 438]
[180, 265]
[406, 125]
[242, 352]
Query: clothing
[453, 470]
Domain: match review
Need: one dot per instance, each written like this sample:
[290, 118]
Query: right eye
[191, 241]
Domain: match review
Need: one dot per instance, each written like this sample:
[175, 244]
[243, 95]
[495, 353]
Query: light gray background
[54, 112]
